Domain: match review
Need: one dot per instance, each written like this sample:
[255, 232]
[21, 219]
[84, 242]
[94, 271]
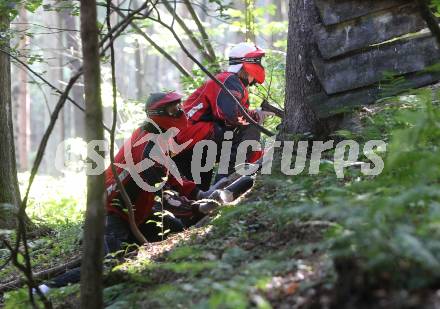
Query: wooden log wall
[361, 41]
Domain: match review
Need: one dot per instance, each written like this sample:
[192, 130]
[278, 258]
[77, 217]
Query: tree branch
[201, 28]
[211, 76]
[52, 86]
[42, 275]
[27, 271]
[54, 117]
[133, 227]
[204, 8]
[190, 33]
[123, 23]
[157, 47]
[21, 229]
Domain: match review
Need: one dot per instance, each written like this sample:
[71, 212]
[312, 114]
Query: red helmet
[158, 110]
[247, 56]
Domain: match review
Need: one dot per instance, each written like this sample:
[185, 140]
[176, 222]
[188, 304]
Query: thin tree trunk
[176, 63]
[201, 28]
[9, 191]
[140, 79]
[278, 17]
[78, 119]
[23, 102]
[52, 45]
[188, 32]
[204, 16]
[300, 75]
[249, 20]
[91, 267]
[60, 73]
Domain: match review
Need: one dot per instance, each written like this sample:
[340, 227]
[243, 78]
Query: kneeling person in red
[151, 147]
[144, 160]
[212, 111]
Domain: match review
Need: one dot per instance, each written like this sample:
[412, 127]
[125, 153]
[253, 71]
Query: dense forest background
[48, 40]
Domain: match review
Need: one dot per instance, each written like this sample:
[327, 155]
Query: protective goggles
[167, 110]
[253, 60]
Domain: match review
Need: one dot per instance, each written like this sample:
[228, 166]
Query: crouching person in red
[212, 111]
[151, 179]
[146, 170]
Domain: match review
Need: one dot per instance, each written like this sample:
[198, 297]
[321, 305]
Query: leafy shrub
[391, 224]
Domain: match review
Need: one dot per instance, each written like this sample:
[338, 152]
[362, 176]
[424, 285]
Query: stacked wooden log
[362, 41]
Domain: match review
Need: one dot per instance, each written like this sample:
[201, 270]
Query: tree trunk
[140, 78]
[78, 117]
[62, 117]
[58, 71]
[9, 191]
[300, 74]
[93, 248]
[23, 101]
[249, 20]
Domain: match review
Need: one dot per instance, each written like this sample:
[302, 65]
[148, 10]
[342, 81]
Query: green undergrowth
[251, 254]
[56, 208]
[389, 226]
[283, 244]
[232, 266]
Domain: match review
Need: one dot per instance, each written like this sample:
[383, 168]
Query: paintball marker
[230, 188]
[267, 107]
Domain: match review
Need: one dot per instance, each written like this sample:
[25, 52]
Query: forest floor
[253, 252]
[277, 247]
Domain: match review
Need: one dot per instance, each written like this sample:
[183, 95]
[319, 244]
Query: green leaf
[20, 258]
[33, 5]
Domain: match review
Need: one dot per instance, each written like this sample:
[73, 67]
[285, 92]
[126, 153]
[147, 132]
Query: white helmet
[247, 55]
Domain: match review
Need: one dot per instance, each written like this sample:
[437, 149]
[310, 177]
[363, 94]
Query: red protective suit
[210, 105]
[143, 201]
